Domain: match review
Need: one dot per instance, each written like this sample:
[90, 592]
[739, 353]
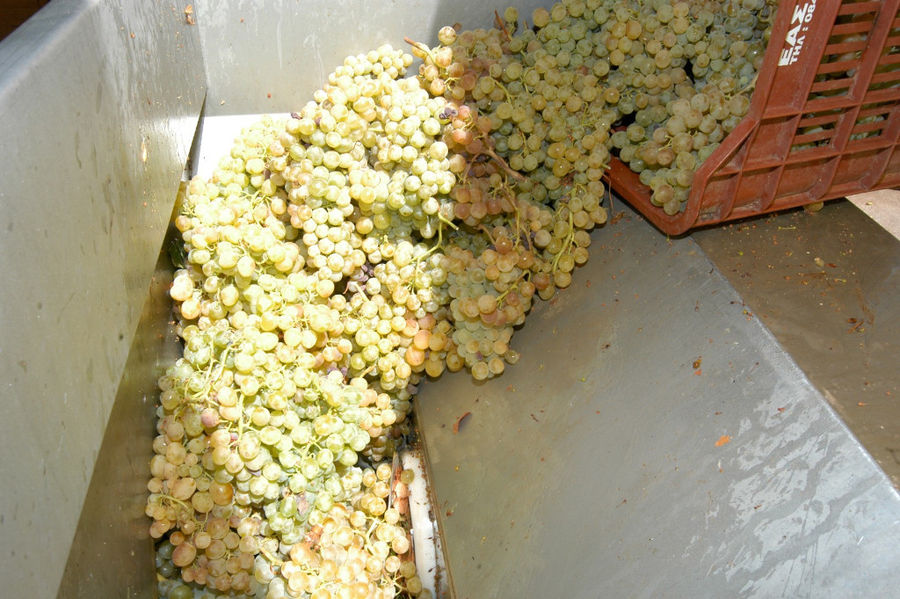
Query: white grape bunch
[393, 228]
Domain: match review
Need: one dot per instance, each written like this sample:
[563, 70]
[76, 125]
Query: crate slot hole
[887, 71]
[838, 66]
[846, 45]
[825, 86]
[885, 78]
[849, 7]
[816, 136]
[850, 45]
[871, 127]
[892, 43]
[839, 62]
[849, 26]
[887, 94]
[820, 119]
[815, 130]
[892, 40]
[882, 108]
[871, 121]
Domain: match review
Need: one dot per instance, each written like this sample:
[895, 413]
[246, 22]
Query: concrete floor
[882, 206]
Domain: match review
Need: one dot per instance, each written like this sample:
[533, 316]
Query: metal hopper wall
[99, 103]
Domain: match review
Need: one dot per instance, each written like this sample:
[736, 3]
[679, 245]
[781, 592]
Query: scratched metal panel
[111, 553]
[99, 101]
[654, 441]
[828, 287]
[266, 56]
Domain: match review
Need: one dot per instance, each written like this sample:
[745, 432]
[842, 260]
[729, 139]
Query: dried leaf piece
[458, 422]
[723, 440]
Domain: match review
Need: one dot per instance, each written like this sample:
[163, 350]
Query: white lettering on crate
[796, 35]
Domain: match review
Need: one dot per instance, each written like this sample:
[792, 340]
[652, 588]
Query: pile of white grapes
[397, 226]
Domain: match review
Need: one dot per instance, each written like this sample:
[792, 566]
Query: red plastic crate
[812, 77]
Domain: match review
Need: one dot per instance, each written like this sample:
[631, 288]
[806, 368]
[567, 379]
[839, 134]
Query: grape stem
[222, 358]
[272, 559]
[508, 95]
[424, 49]
[359, 289]
[485, 230]
[570, 237]
[440, 241]
[513, 287]
[750, 86]
[445, 221]
[524, 85]
[513, 173]
[178, 501]
[498, 22]
[511, 197]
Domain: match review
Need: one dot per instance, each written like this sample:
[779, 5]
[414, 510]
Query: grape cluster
[657, 84]
[395, 227]
[307, 283]
[690, 87]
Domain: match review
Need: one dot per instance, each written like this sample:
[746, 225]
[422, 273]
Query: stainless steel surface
[216, 136]
[270, 55]
[98, 105]
[654, 441]
[112, 553]
[601, 478]
[827, 285]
